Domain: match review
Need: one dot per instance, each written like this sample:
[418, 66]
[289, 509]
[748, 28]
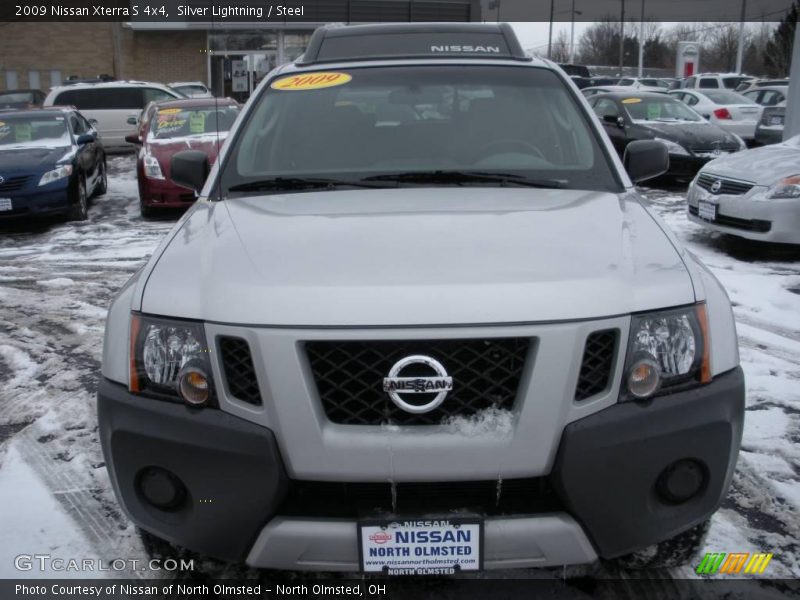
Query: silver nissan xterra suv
[420, 321]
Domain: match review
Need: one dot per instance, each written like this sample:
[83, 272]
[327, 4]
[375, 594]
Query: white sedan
[731, 111]
[754, 194]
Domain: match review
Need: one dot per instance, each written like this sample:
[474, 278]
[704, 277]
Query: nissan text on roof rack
[420, 320]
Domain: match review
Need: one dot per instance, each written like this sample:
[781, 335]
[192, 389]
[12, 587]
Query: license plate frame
[707, 210]
[6, 204]
[414, 564]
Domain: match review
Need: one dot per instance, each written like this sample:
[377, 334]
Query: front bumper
[156, 193]
[604, 475]
[52, 199]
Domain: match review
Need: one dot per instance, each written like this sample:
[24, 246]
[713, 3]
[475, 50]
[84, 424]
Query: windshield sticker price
[22, 132]
[631, 100]
[197, 122]
[312, 81]
[653, 111]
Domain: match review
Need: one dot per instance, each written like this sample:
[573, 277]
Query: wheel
[147, 212]
[79, 211]
[674, 552]
[101, 187]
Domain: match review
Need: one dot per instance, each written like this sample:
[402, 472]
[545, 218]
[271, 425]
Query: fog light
[681, 481]
[161, 488]
[643, 377]
[193, 385]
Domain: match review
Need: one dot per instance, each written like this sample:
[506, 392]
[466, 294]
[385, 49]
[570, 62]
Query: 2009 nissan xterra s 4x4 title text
[419, 320]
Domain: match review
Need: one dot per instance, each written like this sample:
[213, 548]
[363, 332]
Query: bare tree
[560, 49]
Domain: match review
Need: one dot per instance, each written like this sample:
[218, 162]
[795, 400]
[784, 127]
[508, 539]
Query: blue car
[51, 162]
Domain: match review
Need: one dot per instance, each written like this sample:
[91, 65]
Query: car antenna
[216, 123]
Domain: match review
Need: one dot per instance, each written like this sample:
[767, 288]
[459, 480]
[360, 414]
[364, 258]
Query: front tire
[674, 552]
[79, 211]
[101, 187]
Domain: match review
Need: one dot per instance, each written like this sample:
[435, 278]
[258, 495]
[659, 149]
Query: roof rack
[337, 43]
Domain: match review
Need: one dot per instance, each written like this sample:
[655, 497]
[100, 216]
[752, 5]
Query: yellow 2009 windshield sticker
[169, 111]
[311, 81]
[631, 100]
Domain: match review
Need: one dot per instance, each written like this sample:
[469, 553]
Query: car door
[609, 114]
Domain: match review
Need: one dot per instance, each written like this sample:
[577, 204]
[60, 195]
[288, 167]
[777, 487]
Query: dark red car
[169, 127]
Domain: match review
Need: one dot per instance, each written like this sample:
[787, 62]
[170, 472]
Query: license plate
[5, 204]
[707, 211]
[430, 546]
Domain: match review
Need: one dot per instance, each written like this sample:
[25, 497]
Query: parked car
[464, 310]
[731, 111]
[21, 98]
[753, 194]
[644, 83]
[110, 104]
[51, 162]
[759, 83]
[770, 128]
[191, 89]
[718, 81]
[690, 139]
[606, 89]
[168, 127]
[768, 96]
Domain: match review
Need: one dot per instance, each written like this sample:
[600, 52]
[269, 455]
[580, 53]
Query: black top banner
[355, 11]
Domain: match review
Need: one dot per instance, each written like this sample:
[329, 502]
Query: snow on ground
[57, 279]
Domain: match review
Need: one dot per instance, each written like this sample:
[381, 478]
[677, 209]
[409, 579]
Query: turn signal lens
[643, 378]
[193, 385]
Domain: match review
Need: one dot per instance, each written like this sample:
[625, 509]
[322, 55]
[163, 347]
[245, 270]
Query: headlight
[785, 189]
[672, 147]
[58, 173]
[170, 360]
[151, 167]
[666, 349]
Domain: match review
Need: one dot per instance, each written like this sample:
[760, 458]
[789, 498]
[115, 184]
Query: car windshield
[33, 131]
[659, 109]
[188, 90]
[723, 97]
[459, 125]
[16, 98]
[170, 123]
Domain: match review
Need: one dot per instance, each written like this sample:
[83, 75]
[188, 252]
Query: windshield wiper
[301, 183]
[466, 178]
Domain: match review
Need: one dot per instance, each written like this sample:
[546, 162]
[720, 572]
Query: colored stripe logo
[734, 563]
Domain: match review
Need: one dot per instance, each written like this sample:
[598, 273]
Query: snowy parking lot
[57, 279]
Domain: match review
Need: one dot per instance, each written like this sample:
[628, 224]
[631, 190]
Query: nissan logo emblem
[716, 186]
[438, 383]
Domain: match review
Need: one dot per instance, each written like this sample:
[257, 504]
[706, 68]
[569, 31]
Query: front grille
[349, 377]
[755, 225]
[729, 186]
[240, 374]
[13, 184]
[354, 500]
[597, 363]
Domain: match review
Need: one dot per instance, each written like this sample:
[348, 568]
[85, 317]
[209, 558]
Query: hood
[764, 166]
[417, 256]
[693, 135]
[29, 160]
[164, 149]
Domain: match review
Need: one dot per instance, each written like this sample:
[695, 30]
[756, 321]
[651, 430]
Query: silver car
[752, 194]
[419, 322]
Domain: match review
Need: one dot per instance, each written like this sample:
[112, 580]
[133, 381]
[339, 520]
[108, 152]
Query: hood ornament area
[397, 386]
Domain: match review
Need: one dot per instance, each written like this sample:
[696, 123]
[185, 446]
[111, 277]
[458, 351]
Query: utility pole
[641, 44]
[550, 35]
[572, 37]
[740, 47]
[622, 39]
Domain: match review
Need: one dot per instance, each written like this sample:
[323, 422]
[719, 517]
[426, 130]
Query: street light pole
[572, 37]
[641, 44]
[622, 39]
[740, 47]
[550, 35]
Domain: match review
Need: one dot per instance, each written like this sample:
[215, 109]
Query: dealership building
[232, 57]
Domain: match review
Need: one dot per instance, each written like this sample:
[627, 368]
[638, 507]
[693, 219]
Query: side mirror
[132, 121]
[645, 159]
[189, 169]
[86, 138]
[133, 138]
[614, 120]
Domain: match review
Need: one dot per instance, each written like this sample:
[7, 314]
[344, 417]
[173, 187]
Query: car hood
[696, 134]
[29, 159]
[764, 166]
[420, 256]
[164, 149]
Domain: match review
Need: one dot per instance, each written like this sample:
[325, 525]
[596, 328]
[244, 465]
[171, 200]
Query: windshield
[173, 123]
[723, 97]
[409, 120]
[33, 131]
[17, 98]
[188, 90]
[659, 109]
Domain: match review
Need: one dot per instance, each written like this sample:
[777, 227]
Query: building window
[55, 78]
[33, 80]
[11, 80]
